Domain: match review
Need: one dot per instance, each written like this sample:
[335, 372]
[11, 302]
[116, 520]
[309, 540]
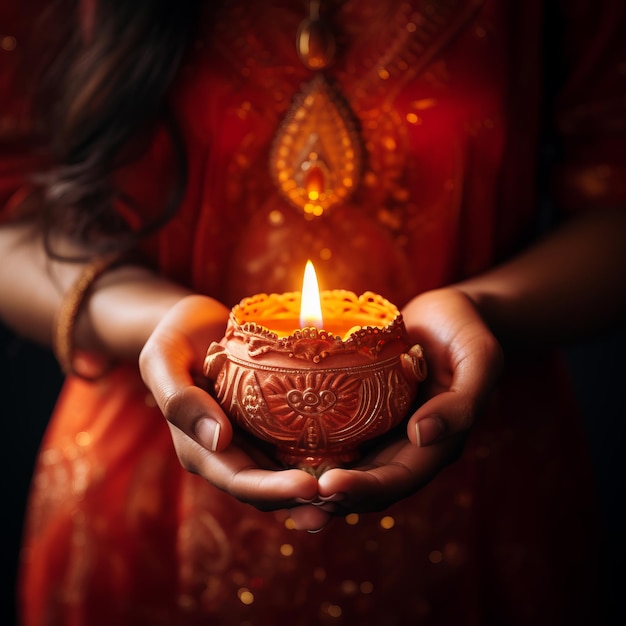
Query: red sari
[447, 97]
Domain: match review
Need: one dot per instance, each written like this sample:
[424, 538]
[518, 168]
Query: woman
[479, 511]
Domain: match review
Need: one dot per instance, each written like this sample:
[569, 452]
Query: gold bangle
[65, 321]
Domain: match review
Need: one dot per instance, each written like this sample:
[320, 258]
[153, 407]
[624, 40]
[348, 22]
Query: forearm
[121, 311]
[571, 284]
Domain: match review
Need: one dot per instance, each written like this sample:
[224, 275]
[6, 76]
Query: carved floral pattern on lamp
[316, 394]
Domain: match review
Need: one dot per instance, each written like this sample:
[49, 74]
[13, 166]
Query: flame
[311, 306]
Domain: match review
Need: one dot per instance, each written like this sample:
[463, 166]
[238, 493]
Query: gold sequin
[245, 596]
[83, 438]
[8, 43]
[413, 118]
[352, 519]
[349, 587]
[286, 549]
[425, 103]
[333, 610]
[276, 218]
[387, 522]
[326, 254]
[435, 557]
[366, 587]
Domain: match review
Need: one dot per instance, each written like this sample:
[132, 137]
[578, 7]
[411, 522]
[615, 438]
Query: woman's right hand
[171, 364]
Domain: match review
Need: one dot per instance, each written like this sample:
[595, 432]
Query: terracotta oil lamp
[315, 374]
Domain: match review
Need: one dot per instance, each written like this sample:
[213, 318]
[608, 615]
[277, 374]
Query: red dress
[447, 100]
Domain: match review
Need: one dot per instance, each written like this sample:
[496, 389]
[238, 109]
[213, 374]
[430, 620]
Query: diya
[316, 381]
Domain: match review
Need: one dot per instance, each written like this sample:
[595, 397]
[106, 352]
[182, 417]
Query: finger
[374, 489]
[310, 518]
[166, 365]
[454, 411]
[232, 471]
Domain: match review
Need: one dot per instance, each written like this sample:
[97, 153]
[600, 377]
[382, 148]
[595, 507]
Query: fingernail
[335, 497]
[305, 501]
[428, 430]
[208, 433]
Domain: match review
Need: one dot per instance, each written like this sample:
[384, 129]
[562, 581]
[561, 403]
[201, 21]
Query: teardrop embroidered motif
[317, 155]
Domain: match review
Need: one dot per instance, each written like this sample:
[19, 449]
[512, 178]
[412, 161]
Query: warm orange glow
[311, 306]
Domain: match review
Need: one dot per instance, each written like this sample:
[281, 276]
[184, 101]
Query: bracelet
[65, 321]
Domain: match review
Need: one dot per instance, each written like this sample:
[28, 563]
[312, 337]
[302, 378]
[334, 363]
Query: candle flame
[311, 306]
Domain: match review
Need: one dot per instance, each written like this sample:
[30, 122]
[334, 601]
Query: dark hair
[102, 89]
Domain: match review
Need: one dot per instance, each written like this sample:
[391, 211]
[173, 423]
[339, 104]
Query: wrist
[117, 313]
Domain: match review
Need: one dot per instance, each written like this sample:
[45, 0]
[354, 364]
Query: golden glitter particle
[413, 118]
[333, 610]
[149, 400]
[352, 519]
[425, 103]
[49, 457]
[389, 143]
[83, 438]
[244, 110]
[276, 218]
[366, 587]
[286, 549]
[241, 160]
[370, 179]
[435, 557]
[326, 254]
[290, 524]
[383, 73]
[411, 27]
[349, 587]
[453, 553]
[387, 522]
[245, 596]
[8, 43]
[186, 602]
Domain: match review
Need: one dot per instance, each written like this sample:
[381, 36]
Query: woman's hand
[171, 366]
[464, 360]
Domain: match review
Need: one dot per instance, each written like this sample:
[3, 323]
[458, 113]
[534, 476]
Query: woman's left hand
[464, 360]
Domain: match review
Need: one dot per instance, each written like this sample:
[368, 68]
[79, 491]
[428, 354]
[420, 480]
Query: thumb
[454, 411]
[443, 416]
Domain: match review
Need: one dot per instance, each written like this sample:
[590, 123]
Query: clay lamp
[315, 374]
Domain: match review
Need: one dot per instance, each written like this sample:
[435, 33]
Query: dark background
[30, 379]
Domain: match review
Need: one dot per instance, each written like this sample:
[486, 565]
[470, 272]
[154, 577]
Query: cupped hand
[171, 366]
[464, 360]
